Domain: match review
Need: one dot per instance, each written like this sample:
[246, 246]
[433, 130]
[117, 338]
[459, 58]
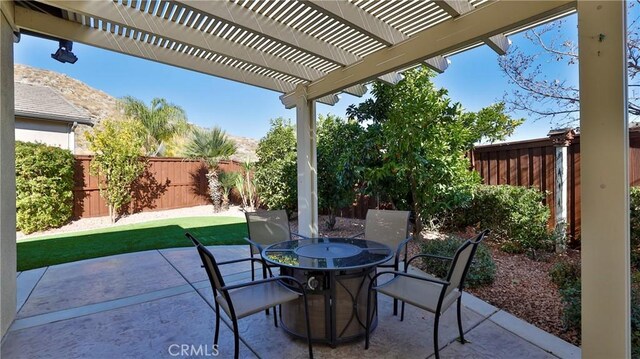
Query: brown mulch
[523, 288]
[522, 285]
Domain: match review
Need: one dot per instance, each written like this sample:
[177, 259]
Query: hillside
[101, 105]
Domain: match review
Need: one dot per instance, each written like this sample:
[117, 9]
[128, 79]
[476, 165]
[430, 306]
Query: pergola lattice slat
[54, 26]
[141, 21]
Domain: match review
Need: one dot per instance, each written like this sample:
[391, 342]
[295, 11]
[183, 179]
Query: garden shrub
[44, 186]
[567, 276]
[483, 268]
[516, 216]
[634, 219]
[564, 273]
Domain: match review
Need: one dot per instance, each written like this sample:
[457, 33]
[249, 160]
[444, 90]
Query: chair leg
[236, 339]
[264, 276]
[395, 306]
[308, 324]
[402, 313]
[435, 336]
[368, 321]
[275, 316]
[460, 322]
[217, 332]
[253, 269]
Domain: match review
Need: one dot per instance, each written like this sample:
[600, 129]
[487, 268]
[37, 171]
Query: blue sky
[473, 79]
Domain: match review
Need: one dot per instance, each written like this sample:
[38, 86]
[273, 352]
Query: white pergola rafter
[57, 27]
[364, 22]
[499, 43]
[240, 17]
[130, 18]
[446, 37]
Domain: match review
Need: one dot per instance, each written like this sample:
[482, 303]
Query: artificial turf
[167, 233]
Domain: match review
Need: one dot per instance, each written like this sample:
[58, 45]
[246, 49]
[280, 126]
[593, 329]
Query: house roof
[42, 102]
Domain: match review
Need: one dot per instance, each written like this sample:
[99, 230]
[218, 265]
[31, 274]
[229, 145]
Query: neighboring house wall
[52, 133]
[44, 115]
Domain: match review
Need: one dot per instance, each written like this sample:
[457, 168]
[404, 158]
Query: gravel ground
[84, 224]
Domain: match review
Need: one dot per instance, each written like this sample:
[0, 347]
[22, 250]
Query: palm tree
[211, 146]
[162, 121]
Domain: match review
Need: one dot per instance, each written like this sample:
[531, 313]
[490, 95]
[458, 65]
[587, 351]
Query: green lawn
[168, 233]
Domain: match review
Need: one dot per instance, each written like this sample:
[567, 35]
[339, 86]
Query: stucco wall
[52, 133]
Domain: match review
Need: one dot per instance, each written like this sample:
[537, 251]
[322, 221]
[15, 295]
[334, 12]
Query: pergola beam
[482, 23]
[54, 26]
[438, 64]
[499, 43]
[254, 22]
[358, 19]
[131, 18]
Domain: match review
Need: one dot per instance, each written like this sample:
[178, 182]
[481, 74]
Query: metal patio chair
[265, 228]
[241, 300]
[427, 292]
[390, 228]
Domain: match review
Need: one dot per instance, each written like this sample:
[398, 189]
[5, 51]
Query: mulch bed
[522, 286]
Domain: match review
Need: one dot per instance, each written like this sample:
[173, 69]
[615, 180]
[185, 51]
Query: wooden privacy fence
[167, 183]
[532, 164]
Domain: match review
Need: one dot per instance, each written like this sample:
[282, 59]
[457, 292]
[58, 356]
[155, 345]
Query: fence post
[561, 139]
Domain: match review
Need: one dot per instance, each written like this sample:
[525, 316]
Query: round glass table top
[327, 253]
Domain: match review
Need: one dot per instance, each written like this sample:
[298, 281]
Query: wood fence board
[168, 183]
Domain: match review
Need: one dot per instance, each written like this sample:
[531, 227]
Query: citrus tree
[118, 148]
[422, 138]
[276, 169]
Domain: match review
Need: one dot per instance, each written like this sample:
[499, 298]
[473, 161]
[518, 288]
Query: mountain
[102, 105]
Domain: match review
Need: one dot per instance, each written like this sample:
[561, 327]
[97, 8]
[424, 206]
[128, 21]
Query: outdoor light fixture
[64, 53]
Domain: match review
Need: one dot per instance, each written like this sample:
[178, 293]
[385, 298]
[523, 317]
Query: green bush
[44, 186]
[572, 305]
[516, 216]
[483, 268]
[634, 217]
[567, 276]
[276, 169]
[564, 273]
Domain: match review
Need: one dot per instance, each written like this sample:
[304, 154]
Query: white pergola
[311, 50]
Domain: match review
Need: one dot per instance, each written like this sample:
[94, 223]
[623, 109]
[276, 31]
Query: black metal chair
[428, 292]
[241, 300]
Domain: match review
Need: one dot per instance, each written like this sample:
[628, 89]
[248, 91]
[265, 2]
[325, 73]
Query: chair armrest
[262, 281]
[425, 255]
[357, 235]
[399, 249]
[253, 259]
[253, 244]
[413, 276]
[299, 235]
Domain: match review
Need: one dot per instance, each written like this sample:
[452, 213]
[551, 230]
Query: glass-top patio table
[337, 273]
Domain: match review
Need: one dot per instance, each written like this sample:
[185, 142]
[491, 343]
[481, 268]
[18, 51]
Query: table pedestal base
[337, 305]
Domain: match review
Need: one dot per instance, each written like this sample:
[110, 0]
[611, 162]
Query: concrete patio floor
[148, 304]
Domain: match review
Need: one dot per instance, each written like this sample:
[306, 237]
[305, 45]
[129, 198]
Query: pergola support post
[561, 140]
[604, 146]
[7, 180]
[307, 164]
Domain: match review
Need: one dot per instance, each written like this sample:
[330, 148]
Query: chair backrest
[462, 261]
[268, 227]
[210, 265]
[388, 227]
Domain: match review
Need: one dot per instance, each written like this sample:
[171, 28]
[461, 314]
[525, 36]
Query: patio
[149, 304]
